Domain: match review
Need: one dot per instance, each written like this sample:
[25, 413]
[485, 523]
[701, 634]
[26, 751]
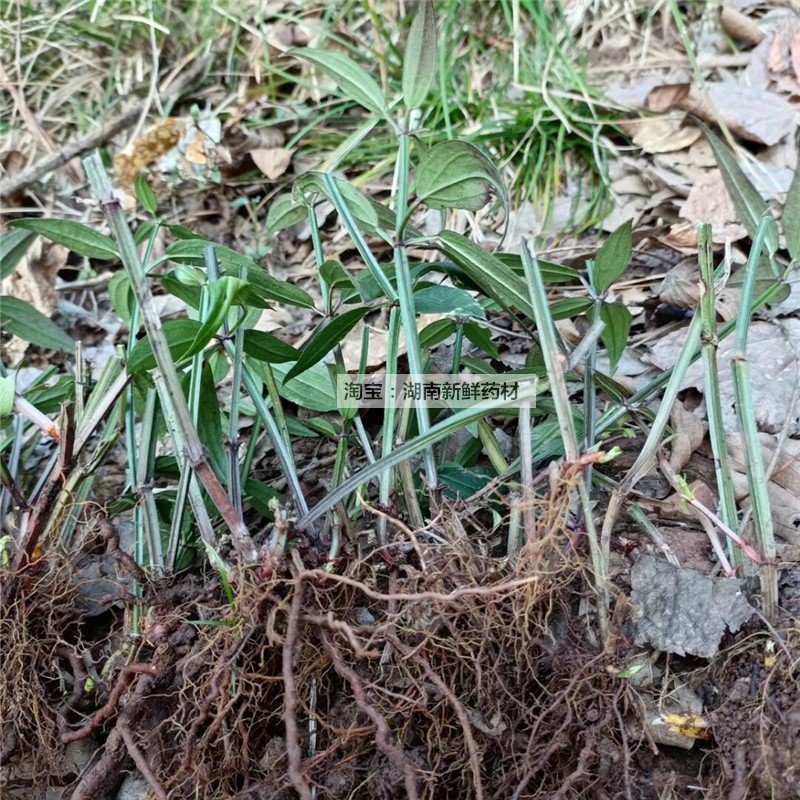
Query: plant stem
[171, 395]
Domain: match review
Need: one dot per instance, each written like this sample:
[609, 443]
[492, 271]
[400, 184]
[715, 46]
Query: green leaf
[266, 347]
[457, 174]
[790, 219]
[482, 338]
[209, 423]
[284, 211]
[419, 60]
[81, 239]
[221, 295]
[145, 230]
[749, 204]
[358, 205]
[612, 258]
[182, 232]
[325, 339]
[179, 333]
[569, 307]
[313, 389]
[191, 251]
[258, 495]
[49, 398]
[615, 390]
[7, 395]
[145, 195]
[447, 300]
[13, 246]
[436, 332]
[191, 294]
[22, 319]
[334, 274]
[461, 482]
[269, 288]
[615, 335]
[486, 271]
[121, 295]
[353, 80]
[551, 272]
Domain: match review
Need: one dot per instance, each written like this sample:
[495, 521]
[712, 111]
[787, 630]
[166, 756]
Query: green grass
[509, 80]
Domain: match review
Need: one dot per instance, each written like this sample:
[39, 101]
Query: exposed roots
[437, 672]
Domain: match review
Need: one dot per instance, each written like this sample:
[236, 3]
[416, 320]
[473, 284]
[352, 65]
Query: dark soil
[421, 670]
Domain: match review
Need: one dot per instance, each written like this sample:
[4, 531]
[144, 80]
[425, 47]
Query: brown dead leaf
[709, 201]
[690, 430]
[750, 113]
[740, 27]
[681, 285]
[284, 36]
[794, 53]
[667, 97]
[273, 161]
[783, 486]
[682, 237]
[774, 367]
[777, 55]
[663, 134]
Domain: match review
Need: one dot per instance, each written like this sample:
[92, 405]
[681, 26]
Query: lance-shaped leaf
[284, 211]
[482, 338]
[325, 339]
[7, 395]
[191, 251]
[209, 422]
[358, 205]
[419, 60]
[121, 294]
[23, 320]
[79, 238]
[457, 175]
[447, 300]
[221, 295]
[313, 389]
[569, 307]
[266, 347]
[790, 219]
[487, 272]
[436, 332]
[353, 80]
[145, 195]
[612, 258]
[749, 204]
[179, 334]
[615, 334]
[13, 246]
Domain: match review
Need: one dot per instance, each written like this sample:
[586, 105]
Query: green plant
[507, 79]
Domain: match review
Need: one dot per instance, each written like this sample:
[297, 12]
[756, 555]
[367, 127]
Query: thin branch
[171, 87]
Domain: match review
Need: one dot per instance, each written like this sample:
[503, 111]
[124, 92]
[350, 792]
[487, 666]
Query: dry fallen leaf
[783, 487]
[690, 430]
[750, 113]
[663, 134]
[709, 201]
[273, 161]
[773, 365]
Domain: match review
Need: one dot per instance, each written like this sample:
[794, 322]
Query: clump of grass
[507, 80]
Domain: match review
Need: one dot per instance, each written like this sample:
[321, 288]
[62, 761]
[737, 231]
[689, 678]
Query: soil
[424, 670]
